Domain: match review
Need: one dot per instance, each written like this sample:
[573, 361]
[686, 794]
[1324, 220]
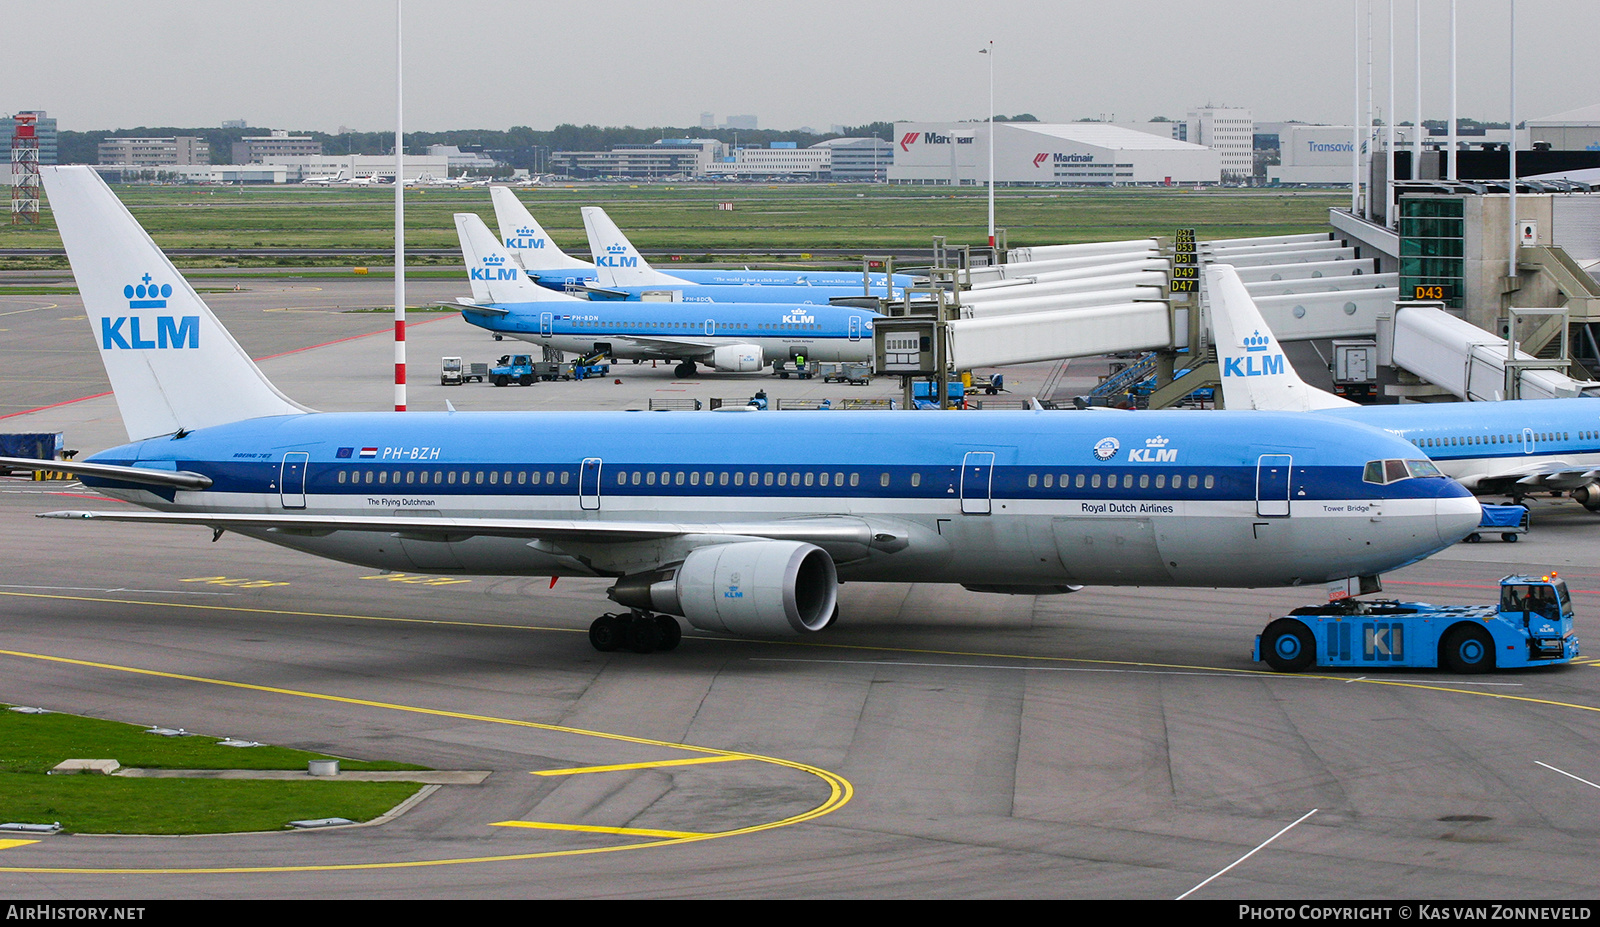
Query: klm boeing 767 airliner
[742, 524]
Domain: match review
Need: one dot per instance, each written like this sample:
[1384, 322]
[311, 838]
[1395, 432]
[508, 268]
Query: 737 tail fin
[1255, 373]
[495, 277]
[171, 363]
[617, 262]
[525, 238]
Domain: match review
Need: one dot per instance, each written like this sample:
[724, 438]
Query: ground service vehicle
[513, 368]
[1530, 626]
[450, 371]
[1508, 521]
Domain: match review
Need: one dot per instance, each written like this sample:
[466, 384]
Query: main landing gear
[638, 631]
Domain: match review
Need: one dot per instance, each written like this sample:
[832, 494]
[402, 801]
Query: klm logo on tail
[494, 268]
[615, 256]
[1256, 362]
[124, 331]
[526, 240]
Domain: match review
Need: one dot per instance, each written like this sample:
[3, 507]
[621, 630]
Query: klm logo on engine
[1256, 362]
[148, 332]
[494, 268]
[616, 256]
[1155, 450]
[525, 241]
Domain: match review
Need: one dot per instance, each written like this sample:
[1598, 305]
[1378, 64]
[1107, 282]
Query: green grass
[668, 216]
[30, 745]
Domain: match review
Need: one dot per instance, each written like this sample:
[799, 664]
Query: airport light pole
[399, 218]
[990, 52]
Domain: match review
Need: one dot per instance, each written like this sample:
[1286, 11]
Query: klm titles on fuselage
[124, 332]
[799, 318]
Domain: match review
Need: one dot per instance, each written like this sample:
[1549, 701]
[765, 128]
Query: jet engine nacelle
[738, 358]
[759, 588]
[1588, 495]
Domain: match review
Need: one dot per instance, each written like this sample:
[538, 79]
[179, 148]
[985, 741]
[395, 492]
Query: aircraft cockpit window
[1422, 468]
[1393, 471]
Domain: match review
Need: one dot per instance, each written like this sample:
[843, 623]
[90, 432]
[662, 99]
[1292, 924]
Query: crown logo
[526, 232]
[1257, 342]
[493, 260]
[147, 295]
[616, 249]
[1157, 441]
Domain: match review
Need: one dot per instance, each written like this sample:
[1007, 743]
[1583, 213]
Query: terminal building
[155, 152]
[269, 149]
[1041, 154]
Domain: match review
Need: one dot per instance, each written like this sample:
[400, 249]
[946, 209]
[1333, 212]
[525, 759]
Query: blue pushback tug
[1531, 626]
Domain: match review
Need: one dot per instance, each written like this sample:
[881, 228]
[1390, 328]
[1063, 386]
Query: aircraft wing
[845, 538]
[170, 479]
[1545, 475]
[669, 345]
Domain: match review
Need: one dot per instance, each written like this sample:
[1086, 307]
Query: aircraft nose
[1458, 514]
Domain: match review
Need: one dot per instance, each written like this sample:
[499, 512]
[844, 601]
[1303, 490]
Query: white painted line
[1245, 857]
[1567, 774]
[1221, 674]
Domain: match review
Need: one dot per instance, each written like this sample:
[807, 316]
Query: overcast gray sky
[296, 64]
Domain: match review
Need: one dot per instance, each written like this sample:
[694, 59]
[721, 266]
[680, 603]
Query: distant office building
[270, 149]
[667, 158]
[740, 122]
[782, 159]
[708, 120]
[859, 159]
[44, 129]
[155, 152]
[235, 124]
[1045, 154]
[1230, 132]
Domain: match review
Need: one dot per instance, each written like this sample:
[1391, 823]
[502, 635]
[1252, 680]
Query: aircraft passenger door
[977, 479]
[855, 328]
[711, 327]
[1528, 442]
[589, 484]
[1272, 484]
[544, 324]
[292, 479]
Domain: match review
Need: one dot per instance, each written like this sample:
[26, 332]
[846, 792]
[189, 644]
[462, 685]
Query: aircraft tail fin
[525, 238]
[495, 277]
[171, 364]
[1255, 373]
[617, 261]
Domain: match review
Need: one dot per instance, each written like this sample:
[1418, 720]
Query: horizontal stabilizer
[174, 479]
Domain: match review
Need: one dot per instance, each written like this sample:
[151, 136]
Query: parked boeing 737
[547, 265]
[1512, 447]
[742, 524]
[729, 337]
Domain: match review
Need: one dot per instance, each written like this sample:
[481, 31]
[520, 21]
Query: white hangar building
[1042, 154]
